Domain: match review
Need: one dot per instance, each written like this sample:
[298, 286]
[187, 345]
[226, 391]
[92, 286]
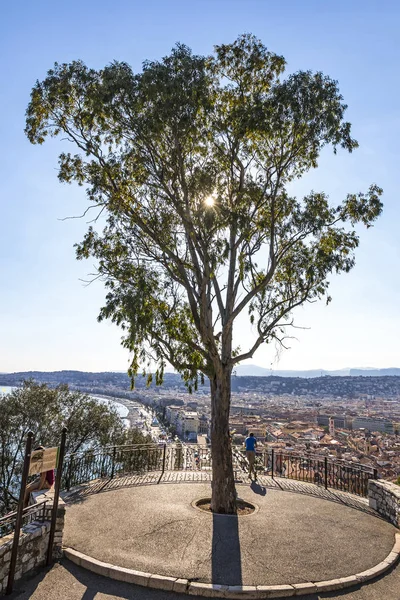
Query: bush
[45, 411]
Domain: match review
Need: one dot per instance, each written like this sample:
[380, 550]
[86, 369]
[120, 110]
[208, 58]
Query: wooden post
[272, 462]
[18, 522]
[56, 496]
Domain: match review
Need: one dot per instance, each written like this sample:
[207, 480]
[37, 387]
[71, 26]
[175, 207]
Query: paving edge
[249, 592]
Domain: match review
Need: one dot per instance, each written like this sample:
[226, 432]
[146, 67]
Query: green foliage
[133, 436]
[172, 430]
[153, 146]
[45, 411]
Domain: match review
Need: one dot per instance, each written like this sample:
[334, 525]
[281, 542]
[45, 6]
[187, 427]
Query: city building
[188, 422]
[373, 424]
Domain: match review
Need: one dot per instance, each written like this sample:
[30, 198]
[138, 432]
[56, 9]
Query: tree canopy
[190, 161]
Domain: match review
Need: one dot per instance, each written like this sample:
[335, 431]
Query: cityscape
[354, 419]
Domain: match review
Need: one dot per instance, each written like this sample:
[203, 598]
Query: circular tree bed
[243, 507]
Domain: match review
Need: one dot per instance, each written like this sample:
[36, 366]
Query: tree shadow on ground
[226, 563]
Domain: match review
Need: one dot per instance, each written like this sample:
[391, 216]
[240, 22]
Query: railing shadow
[308, 489]
[84, 491]
[226, 563]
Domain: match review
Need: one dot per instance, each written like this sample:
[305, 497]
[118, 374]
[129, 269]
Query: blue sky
[47, 316]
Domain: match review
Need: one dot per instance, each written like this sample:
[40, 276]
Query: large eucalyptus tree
[190, 161]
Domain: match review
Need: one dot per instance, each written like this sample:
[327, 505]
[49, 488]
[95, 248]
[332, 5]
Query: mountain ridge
[257, 371]
[240, 371]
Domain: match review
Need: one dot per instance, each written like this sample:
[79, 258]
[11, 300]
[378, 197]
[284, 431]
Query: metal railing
[35, 512]
[336, 474]
[119, 461]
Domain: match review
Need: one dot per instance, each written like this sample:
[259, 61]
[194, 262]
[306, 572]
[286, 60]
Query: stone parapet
[384, 497]
[32, 546]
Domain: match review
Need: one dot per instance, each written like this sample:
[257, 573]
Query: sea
[5, 389]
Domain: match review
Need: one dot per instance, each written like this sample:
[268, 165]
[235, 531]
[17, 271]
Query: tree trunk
[223, 483]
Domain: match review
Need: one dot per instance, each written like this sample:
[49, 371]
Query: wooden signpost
[60, 462]
[43, 460]
[36, 462]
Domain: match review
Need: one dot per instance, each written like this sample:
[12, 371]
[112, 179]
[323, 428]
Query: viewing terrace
[131, 521]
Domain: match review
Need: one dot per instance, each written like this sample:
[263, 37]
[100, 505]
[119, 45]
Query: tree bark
[223, 499]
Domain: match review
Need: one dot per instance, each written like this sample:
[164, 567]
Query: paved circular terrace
[293, 538]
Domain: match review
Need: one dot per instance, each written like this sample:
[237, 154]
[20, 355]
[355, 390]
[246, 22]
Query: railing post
[56, 496]
[326, 472]
[113, 462]
[375, 473]
[272, 462]
[103, 460]
[163, 462]
[71, 459]
[178, 457]
[18, 522]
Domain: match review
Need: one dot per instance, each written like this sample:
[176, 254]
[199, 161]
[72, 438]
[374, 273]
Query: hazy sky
[47, 316]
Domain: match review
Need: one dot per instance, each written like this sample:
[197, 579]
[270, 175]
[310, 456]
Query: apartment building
[188, 422]
[373, 424]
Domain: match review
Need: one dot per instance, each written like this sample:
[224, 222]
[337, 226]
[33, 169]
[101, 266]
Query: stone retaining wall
[32, 548]
[384, 497]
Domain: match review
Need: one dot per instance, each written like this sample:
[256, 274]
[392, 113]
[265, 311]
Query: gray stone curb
[248, 592]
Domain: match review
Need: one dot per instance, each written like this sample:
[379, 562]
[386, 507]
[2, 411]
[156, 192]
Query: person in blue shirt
[251, 444]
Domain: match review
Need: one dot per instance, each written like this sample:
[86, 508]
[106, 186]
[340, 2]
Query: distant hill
[375, 372]
[121, 379]
[305, 383]
[82, 379]
[256, 371]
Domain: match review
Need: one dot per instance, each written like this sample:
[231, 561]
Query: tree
[172, 429]
[44, 411]
[190, 161]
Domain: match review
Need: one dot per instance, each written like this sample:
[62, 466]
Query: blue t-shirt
[251, 443]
